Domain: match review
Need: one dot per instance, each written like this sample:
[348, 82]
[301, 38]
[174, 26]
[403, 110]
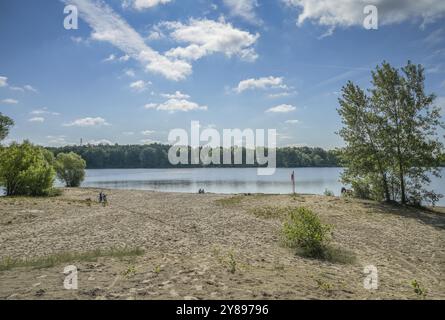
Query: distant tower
[81, 141]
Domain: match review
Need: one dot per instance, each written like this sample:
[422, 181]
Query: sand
[196, 248]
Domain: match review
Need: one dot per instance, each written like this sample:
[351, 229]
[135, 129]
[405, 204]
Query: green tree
[70, 168]
[392, 144]
[24, 170]
[5, 124]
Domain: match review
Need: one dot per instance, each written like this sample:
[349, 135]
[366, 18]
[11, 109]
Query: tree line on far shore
[155, 156]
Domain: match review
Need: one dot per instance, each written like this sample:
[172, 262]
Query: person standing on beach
[292, 177]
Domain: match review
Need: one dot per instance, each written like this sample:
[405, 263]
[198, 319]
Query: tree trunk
[386, 188]
[402, 184]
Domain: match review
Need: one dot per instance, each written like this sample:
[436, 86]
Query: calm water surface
[226, 181]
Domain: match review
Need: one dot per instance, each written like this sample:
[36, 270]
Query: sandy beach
[215, 247]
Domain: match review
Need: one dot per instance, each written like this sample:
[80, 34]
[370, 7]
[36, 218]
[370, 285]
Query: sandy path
[188, 240]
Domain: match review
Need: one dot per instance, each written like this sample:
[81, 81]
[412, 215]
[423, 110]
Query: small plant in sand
[418, 289]
[324, 285]
[328, 193]
[129, 272]
[157, 269]
[304, 231]
[232, 262]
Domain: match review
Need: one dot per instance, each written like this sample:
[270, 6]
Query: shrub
[24, 170]
[70, 168]
[305, 231]
[329, 193]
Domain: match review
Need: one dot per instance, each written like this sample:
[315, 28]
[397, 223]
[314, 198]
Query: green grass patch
[68, 257]
[270, 212]
[229, 202]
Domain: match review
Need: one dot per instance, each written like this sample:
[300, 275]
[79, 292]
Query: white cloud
[143, 4]
[44, 111]
[205, 37]
[176, 95]
[282, 94]
[9, 101]
[261, 83]
[3, 81]
[139, 85]
[128, 133]
[110, 58]
[30, 88]
[57, 140]
[174, 105]
[108, 26]
[148, 141]
[244, 9]
[293, 121]
[282, 108]
[99, 142]
[88, 122]
[347, 13]
[37, 119]
[147, 132]
[130, 73]
[14, 88]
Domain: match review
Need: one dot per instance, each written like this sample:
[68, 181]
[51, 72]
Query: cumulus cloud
[261, 83]
[147, 132]
[88, 122]
[175, 105]
[30, 88]
[10, 101]
[244, 9]
[108, 26]
[282, 108]
[143, 4]
[3, 81]
[176, 95]
[205, 37]
[347, 13]
[292, 121]
[99, 142]
[37, 119]
[139, 85]
[44, 111]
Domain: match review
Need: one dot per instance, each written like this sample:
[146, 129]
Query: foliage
[418, 289]
[5, 124]
[156, 156]
[392, 144]
[304, 230]
[70, 168]
[68, 257]
[24, 170]
[328, 193]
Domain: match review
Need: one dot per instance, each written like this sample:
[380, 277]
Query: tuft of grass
[229, 202]
[129, 272]
[270, 212]
[157, 269]
[328, 193]
[418, 289]
[232, 262]
[67, 257]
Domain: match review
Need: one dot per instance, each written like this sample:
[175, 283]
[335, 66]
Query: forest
[156, 156]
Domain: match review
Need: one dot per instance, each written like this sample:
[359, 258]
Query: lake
[226, 181]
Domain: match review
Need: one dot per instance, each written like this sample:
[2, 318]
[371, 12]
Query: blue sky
[135, 69]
